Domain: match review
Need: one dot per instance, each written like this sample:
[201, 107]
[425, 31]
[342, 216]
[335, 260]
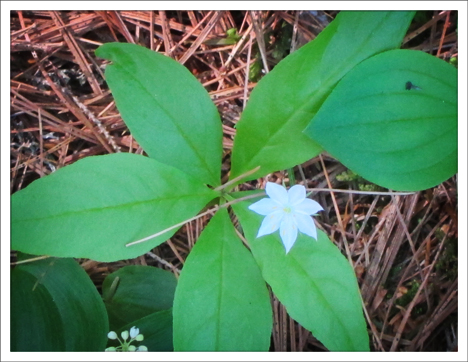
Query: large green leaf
[56, 307]
[94, 207]
[221, 301]
[403, 139]
[269, 133]
[36, 324]
[156, 329]
[166, 108]
[136, 291]
[314, 281]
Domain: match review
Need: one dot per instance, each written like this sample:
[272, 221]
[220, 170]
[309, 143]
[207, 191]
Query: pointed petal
[306, 225]
[277, 192]
[270, 223]
[296, 194]
[308, 207]
[288, 232]
[265, 206]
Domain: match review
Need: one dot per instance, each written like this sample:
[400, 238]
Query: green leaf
[136, 291]
[94, 207]
[269, 133]
[314, 281]
[36, 324]
[221, 301]
[157, 330]
[166, 108]
[403, 139]
[56, 307]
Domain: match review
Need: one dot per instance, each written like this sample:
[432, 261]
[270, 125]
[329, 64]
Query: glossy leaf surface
[314, 281]
[136, 291]
[393, 120]
[166, 108]
[56, 307]
[221, 302]
[269, 133]
[94, 207]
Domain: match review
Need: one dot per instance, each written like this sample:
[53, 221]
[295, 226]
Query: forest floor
[404, 249]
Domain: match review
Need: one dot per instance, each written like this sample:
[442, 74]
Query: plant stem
[210, 211]
[238, 178]
[360, 192]
[253, 196]
[30, 260]
[291, 176]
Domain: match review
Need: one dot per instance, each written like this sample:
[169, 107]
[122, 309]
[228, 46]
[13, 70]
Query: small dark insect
[409, 86]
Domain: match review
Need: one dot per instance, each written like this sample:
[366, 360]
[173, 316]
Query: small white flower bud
[140, 337]
[124, 335]
[142, 349]
[112, 335]
[134, 332]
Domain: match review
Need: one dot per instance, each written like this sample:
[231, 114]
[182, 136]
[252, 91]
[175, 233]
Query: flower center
[287, 209]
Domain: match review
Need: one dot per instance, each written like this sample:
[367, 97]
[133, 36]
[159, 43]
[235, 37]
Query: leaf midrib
[179, 129]
[107, 208]
[314, 285]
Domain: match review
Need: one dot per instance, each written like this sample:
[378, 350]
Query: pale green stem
[253, 196]
[360, 192]
[291, 176]
[30, 260]
[210, 211]
[238, 178]
[214, 209]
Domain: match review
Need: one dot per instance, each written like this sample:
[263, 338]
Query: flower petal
[265, 206]
[277, 193]
[308, 207]
[288, 232]
[270, 223]
[296, 194]
[306, 225]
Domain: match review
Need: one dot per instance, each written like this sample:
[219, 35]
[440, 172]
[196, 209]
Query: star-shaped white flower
[287, 211]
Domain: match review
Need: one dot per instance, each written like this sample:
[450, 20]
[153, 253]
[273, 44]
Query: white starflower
[287, 211]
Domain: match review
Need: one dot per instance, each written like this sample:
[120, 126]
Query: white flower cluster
[124, 345]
